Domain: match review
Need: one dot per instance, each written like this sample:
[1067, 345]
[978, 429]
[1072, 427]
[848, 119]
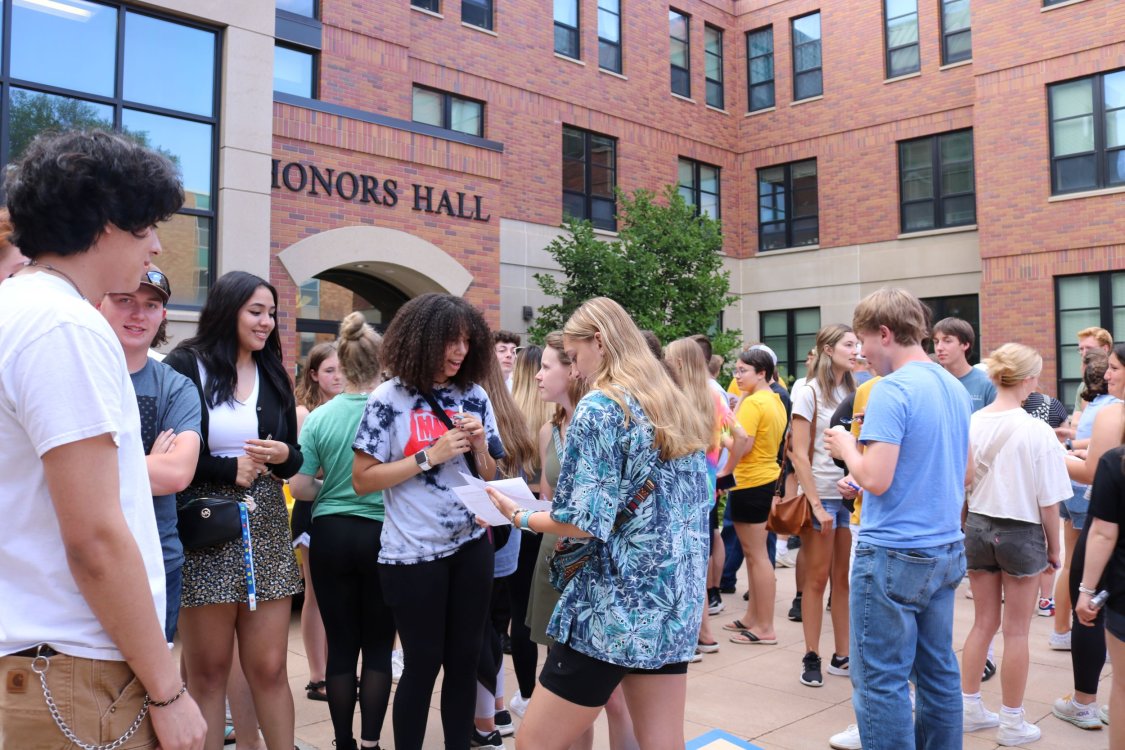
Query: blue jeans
[902, 629]
[173, 587]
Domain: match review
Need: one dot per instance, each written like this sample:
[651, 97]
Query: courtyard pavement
[753, 692]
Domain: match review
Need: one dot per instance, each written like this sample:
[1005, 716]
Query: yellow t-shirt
[862, 394]
[762, 415]
[732, 389]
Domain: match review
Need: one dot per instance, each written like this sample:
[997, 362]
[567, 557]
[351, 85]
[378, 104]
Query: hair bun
[351, 327]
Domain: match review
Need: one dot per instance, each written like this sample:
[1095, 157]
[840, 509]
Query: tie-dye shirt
[425, 520]
[639, 601]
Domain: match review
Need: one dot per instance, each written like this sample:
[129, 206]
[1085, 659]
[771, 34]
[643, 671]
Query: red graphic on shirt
[425, 428]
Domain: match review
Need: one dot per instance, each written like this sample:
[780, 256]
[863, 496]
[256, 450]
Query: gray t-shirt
[981, 390]
[167, 401]
[424, 519]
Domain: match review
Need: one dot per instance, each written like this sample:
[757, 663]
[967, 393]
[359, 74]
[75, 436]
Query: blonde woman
[1019, 479]
[825, 548]
[633, 483]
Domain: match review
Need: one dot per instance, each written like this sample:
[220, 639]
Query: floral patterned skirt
[214, 575]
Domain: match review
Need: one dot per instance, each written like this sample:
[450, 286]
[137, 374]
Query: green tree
[665, 269]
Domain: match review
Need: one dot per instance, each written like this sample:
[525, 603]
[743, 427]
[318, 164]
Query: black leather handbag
[208, 521]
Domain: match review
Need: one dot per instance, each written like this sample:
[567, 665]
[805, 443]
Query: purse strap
[440, 414]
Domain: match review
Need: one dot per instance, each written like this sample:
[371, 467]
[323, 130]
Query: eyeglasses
[158, 280]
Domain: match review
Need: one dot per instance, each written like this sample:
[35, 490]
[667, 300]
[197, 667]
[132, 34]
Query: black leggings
[440, 608]
[1087, 643]
[343, 561]
[525, 652]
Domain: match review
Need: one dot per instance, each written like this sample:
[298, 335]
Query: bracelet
[515, 513]
[161, 704]
[1083, 590]
[525, 522]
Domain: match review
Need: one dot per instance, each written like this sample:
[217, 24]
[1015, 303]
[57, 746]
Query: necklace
[52, 269]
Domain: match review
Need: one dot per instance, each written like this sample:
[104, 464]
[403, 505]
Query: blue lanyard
[248, 557]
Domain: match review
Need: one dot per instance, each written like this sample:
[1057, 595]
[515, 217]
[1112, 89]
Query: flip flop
[746, 638]
[735, 627]
[228, 735]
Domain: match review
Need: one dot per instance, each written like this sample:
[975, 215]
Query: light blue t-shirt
[982, 391]
[922, 409]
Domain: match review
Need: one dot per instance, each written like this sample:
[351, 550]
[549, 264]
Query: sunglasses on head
[158, 280]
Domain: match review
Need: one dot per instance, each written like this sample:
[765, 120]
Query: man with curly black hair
[81, 571]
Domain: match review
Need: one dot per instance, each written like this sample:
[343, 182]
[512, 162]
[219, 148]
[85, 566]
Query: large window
[448, 111]
[956, 36]
[299, 7]
[1088, 133]
[477, 13]
[936, 181]
[901, 37]
[787, 206]
[963, 306]
[590, 177]
[791, 334]
[759, 56]
[1082, 302]
[609, 35]
[713, 64]
[679, 31]
[699, 186]
[294, 71]
[808, 78]
[78, 64]
[566, 28]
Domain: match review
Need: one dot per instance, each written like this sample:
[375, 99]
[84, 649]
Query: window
[713, 65]
[790, 333]
[699, 186]
[956, 38]
[1081, 302]
[808, 79]
[1048, 3]
[79, 64]
[609, 35]
[434, 6]
[936, 181]
[589, 177]
[566, 28]
[964, 306]
[1088, 133]
[299, 7]
[477, 13]
[787, 206]
[679, 28]
[294, 71]
[448, 111]
[759, 55]
[902, 37]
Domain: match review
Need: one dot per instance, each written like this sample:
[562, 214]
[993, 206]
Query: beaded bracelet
[170, 701]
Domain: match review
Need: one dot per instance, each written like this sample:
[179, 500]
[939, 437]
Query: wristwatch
[1069, 444]
[423, 460]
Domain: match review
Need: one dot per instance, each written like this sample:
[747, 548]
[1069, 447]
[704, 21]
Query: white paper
[473, 495]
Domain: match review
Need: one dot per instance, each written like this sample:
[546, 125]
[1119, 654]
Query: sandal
[735, 627]
[228, 735]
[746, 638]
[316, 691]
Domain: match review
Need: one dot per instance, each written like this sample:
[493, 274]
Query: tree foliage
[665, 269]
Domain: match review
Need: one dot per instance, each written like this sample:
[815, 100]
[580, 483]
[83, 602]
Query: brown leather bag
[790, 512]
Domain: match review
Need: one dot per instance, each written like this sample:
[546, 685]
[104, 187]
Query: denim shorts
[1075, 508]
[995, 545]
[841, 516]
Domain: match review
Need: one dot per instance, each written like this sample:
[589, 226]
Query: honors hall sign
[297, 177]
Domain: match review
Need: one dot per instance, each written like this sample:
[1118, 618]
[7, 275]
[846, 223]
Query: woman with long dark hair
[344, 544]
[249, 446]
[420, 429]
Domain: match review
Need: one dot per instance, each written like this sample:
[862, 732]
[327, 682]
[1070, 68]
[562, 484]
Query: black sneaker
[714, 602]
[839, 666]
[795, 610]
[989, 670]
[504, 724]
[810, 670]
[479, 739]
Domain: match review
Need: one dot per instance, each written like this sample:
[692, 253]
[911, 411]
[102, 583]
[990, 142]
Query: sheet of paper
[478, 502]
[475, 498]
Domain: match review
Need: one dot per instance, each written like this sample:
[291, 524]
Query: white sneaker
[1015, 731]
[1081, 715]
[846, 740]
[397, 664]
[695, 658]
[1103, 714]
[1059, 641]
[788, 560]
[518, 704]
[977, 716]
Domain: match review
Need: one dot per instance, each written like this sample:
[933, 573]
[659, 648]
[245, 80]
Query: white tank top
[233, 423]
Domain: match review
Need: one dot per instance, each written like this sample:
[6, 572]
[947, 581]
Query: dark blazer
[273, 419]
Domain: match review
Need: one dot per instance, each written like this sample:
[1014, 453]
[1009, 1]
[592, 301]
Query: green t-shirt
[326, 443]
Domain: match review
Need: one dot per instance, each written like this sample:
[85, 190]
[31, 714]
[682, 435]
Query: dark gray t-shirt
[167, 401]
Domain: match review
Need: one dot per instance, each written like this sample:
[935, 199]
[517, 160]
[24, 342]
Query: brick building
[358, 154]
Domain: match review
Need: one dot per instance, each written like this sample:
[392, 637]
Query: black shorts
[752, 504]
[587, 681]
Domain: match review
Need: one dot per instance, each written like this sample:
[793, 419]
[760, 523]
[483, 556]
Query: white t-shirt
[62, 379]
[825, 471]
[1029, 471]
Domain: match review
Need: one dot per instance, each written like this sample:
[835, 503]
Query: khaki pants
[98, 700]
